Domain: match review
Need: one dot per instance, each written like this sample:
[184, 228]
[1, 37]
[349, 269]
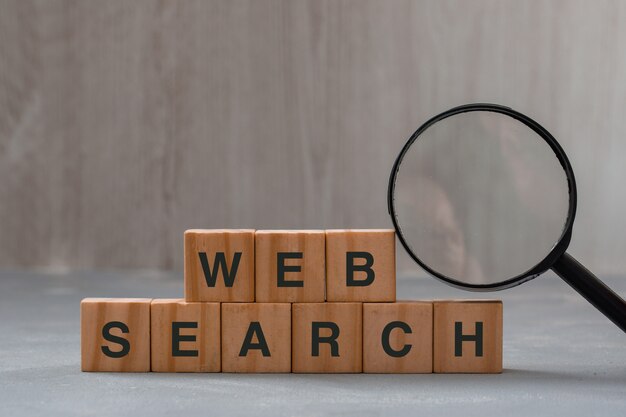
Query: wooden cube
[256, 337]
[360, 265]
[467, 336]
[290, 266]
[327, 337]
[115, 334]
[185, 336]
[398, 337]
[219, 265]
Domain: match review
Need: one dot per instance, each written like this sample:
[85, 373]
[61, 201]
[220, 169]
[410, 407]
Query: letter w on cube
[219, 265]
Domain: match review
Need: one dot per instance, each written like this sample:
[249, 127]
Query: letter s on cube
[115, 334]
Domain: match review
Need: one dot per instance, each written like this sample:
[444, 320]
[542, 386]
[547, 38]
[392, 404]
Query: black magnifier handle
[589, 286]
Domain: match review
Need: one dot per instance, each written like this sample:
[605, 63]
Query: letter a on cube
[256, 337]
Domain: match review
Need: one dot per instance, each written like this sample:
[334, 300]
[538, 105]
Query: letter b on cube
[360, 265]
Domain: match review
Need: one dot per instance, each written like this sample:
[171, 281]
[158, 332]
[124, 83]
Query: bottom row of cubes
[171, 335]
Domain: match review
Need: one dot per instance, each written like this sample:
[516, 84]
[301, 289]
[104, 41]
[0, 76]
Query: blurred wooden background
[124, 123]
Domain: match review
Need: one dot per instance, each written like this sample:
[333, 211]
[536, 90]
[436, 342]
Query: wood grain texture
[202, 354]
[129, 319]
[371, 275]
[470, 314]
[229, 268]
[265, 328]
[413, 345]
[310, 265]
[122, 124]
[346, 356]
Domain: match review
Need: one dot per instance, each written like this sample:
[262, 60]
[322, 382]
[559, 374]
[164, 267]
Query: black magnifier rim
[560, 246]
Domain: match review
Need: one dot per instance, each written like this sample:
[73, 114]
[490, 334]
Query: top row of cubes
[295, 266]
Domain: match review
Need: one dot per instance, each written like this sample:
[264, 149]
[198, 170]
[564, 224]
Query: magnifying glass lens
[480, 198]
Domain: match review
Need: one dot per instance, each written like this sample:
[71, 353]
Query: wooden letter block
[398, 337]
[256, 337]
[115, 334]
[468, 336]
[327, 338]
[185, 336]
[290, 265]
[219, 265]
[360, 265]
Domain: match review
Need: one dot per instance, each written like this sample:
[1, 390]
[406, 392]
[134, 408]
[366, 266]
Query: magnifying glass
[484, 198]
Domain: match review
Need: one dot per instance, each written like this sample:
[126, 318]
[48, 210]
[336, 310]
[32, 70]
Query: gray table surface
[561, 357]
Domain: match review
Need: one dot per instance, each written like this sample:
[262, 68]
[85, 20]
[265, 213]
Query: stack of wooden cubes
[306, 301]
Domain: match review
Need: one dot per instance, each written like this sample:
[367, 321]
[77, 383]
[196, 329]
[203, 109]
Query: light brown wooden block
[256, 337]
[290, 265]
[398, 337]
[360, 265]
[115, 334]
[185, 336]
[327, 337]
[458, 347]
[219, 265]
